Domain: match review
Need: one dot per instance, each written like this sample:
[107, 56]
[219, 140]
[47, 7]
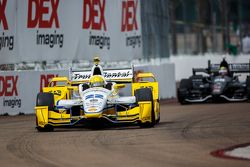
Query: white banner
[18, 90]
[8, 36]
[51, 30]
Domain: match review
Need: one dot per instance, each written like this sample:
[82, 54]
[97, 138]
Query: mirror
[119, 86]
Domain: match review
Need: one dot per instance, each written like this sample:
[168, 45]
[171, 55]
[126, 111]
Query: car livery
[214, 87]
[78, 102]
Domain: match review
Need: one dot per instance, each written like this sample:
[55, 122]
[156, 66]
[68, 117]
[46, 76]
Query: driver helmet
[96, 81]
[223, 71]
[96, 60]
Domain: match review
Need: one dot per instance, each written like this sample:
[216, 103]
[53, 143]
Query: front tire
[145, 94]
[45, 99]
[183, 89]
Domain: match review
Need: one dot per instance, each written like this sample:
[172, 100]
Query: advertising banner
[18, 90]
[8, 36]
[52, 30]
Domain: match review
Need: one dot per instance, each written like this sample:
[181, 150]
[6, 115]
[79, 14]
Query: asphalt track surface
[185, 136]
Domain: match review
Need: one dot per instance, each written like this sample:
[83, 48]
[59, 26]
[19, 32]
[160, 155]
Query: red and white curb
[241, 152]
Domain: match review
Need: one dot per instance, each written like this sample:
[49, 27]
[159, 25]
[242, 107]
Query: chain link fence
[155, 28]
[208, 26]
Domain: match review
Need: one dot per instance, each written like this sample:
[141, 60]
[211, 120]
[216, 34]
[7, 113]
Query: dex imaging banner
[8, 36]
[111, 29]
[18, 90]
[78, 30]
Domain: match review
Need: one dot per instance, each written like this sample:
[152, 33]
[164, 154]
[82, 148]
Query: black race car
[218, 82]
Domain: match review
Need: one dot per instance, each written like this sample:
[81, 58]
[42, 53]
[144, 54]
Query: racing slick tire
[47, 128]
[145, 94]
[183, 89]
[45, 99]
[248, 87]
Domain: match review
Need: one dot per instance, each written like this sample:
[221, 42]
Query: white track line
[240, 152]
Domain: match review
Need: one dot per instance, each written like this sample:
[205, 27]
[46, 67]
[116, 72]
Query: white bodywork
[95, 100]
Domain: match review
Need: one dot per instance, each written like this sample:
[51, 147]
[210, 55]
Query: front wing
[192, 98]
[140, 113]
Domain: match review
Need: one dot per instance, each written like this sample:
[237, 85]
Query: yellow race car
[94, 96]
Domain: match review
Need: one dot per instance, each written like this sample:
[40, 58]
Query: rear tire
[248, 87]
[183, 89]
[145, 94]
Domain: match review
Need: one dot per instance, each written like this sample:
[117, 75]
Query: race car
[218, 82]
[93, 96]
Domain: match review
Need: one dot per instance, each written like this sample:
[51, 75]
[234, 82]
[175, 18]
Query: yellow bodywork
[148, 80]
[139, 113]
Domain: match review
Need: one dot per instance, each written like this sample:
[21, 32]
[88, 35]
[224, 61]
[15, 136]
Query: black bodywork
[208, 85]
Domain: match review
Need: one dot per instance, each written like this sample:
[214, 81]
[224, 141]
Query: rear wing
[233, 68]
[124, 75]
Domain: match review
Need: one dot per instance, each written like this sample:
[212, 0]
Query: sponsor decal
[79, 76]
[99, 96]
[129, 23]
[93, 15]
[92, 109]
[6, 41]
[92, 96]
[115, 75]
[93, 100]
[99, 40]
[234, 67]
[89, 96]
[56, 92]
[41, 11]
[240, 67]
[219, 80]
[49, 39]
[94, 19]
[8, 89]
[12, 102]
[112, 74]
[8, 85]
[45, 79]
[43, 14]
[133, 41]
